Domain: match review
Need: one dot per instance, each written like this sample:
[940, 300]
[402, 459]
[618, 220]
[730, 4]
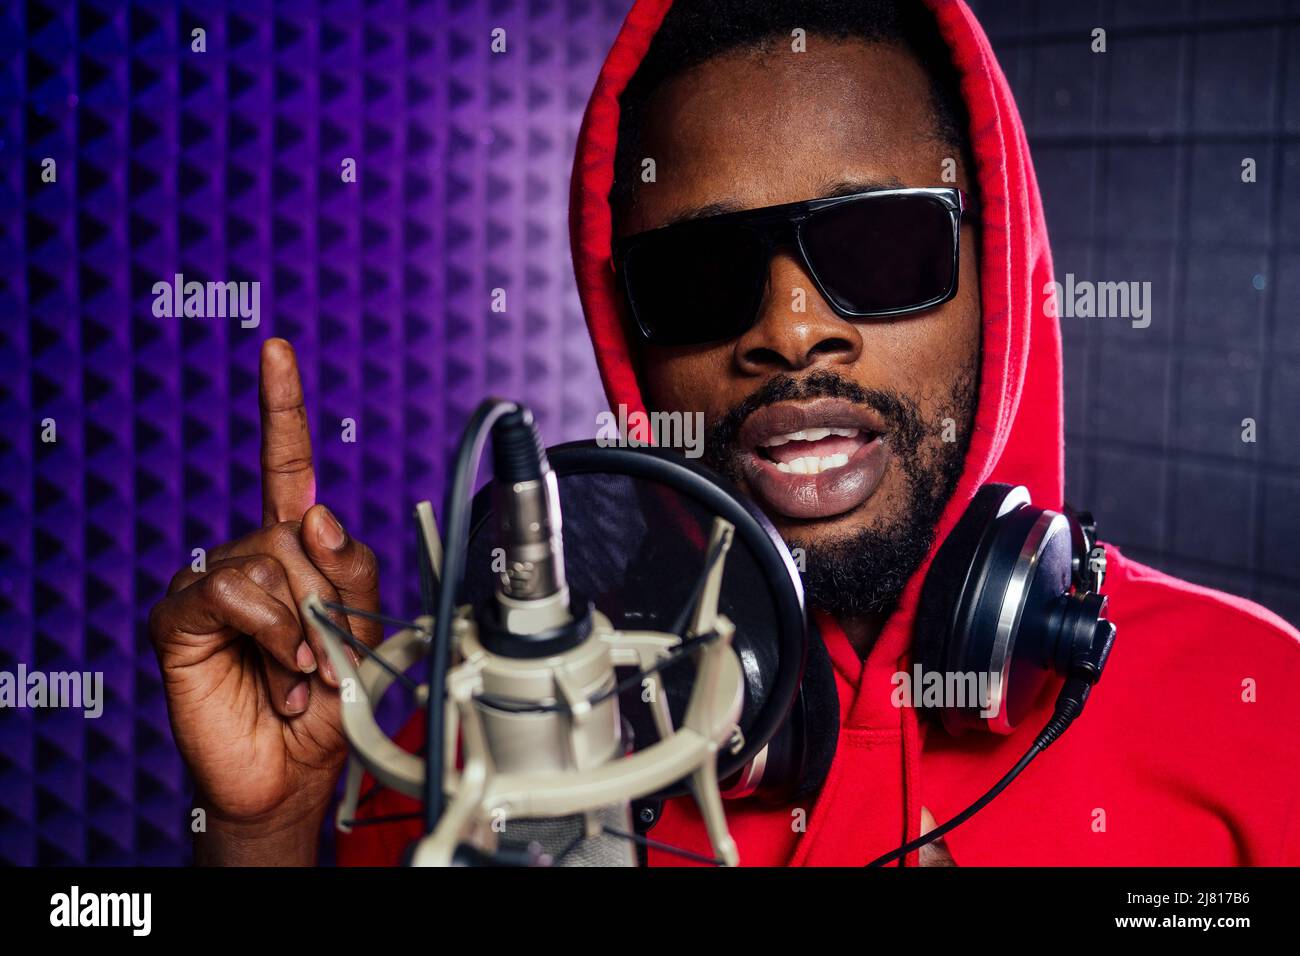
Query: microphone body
[544, 667]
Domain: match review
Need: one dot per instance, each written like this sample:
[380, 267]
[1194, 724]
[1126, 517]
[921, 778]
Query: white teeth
[809, 434]
[812, 465]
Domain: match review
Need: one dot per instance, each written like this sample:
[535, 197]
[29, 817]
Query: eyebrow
[829, 190]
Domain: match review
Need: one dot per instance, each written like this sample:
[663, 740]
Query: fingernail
[296, 702]
[331, 532]
[306, 659]
[327, 670]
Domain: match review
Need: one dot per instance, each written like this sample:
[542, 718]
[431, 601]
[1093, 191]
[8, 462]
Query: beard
[863, 571]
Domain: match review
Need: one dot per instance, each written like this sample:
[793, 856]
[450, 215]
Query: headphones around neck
[1011, 599]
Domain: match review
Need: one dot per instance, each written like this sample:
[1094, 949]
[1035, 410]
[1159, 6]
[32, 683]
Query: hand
[936, 853]
[252, 697]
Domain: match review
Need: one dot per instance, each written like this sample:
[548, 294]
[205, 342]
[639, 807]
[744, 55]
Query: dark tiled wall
[1139, 153]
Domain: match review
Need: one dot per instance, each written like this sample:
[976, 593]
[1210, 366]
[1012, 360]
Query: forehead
[752, 129]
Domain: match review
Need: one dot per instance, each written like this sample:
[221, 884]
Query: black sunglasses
[877, 253]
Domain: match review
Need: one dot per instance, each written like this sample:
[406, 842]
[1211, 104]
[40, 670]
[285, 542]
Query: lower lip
[822, 495]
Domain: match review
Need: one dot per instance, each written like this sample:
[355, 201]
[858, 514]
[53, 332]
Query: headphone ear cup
[820, 702]
[948, 579]
[798, 758]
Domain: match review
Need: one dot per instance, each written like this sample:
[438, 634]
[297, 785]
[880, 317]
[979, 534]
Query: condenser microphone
[532, 676]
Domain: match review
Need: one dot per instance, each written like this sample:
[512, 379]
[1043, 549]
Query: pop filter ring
[717, 496]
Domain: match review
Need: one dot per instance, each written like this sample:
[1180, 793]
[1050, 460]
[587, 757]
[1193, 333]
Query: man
[860, 400]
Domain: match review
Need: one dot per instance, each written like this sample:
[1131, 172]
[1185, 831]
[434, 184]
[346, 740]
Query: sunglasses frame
[783, 225]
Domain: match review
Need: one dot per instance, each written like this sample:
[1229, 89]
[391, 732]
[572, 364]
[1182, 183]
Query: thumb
[347, 564]
[936, 853]
[927, 821]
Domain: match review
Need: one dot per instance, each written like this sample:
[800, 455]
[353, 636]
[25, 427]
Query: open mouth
[812, 460]
[811, 451]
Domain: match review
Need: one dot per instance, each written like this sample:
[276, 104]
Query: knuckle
[158, 625]
[291, 467]
[365, 566]
[287, 458]
[222, 584]
[284, 537]
[265, 571]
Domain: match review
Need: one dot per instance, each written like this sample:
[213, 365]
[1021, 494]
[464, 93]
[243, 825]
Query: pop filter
[636, 527]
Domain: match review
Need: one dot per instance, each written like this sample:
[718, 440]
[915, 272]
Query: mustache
[905, 427]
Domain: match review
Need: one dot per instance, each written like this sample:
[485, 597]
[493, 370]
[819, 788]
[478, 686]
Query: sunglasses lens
[883, 254]
[699, 285]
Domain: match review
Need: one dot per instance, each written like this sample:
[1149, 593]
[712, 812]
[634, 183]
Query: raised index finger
[288, 479]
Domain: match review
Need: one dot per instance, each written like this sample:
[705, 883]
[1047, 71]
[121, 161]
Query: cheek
[684, 380]
[922, 358]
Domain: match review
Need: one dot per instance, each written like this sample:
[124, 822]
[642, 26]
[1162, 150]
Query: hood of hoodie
[1018, 436]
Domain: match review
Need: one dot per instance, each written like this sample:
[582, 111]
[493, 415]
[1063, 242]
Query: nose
[788, 339]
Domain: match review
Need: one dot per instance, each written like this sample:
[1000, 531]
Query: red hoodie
[1189, 750]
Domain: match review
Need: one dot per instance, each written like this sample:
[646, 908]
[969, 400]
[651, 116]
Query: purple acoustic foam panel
[226, 165]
